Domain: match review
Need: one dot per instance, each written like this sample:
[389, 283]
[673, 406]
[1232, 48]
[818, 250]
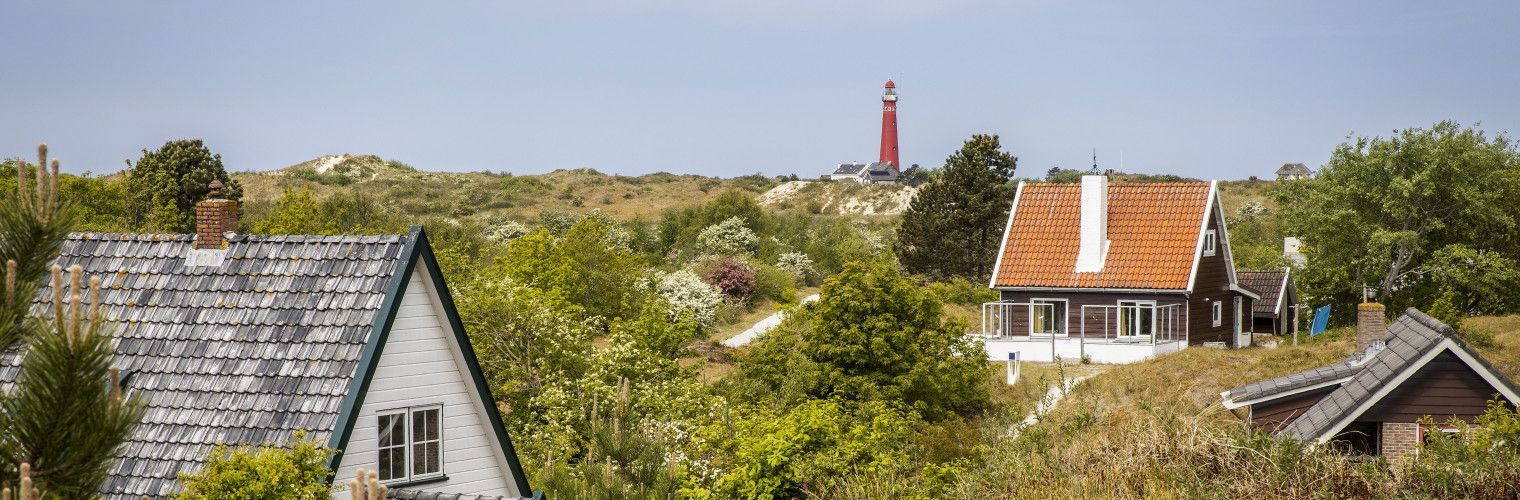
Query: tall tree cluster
[163, 185]
[953, 227]
[1427, 215]
[66, 414]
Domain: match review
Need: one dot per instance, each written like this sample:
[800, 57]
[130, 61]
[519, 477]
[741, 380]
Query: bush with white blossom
[506, 230]
[688, 294]
[798, 265]
[730, 237]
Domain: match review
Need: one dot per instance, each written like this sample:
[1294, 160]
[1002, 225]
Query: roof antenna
[1095, 170]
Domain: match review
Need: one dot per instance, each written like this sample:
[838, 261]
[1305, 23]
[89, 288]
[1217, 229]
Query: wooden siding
[1272, 415]
[1210, 284]
[1442, 389]
[421, 365]
[1075, 300]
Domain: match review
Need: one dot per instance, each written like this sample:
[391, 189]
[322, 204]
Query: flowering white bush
[506, 230]
[617, 236]
[727, 238]
[687, 293]
[798, 265]
[1250, 210]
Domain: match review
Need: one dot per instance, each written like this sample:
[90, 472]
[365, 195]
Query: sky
[1207, 89]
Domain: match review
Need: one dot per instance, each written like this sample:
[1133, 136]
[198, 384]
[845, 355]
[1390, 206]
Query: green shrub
[774, 284]
[262, 472]
[961, 291]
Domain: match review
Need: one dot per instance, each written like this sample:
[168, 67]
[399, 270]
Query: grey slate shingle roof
[849, 168]
[1269, 283]
[1288, 383]
[405, 494]
[1294, 169]
[1414, 335]
[1409, 338]
[246, 352]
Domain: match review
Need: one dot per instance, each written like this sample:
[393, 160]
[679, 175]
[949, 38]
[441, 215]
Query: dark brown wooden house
[1371, 402]
[1139, 266]
[1276, 312]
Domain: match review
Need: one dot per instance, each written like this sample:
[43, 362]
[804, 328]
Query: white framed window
[1137, 318]
[410, 444]
[1047, 316]
[1218, 308]
[1210, 244]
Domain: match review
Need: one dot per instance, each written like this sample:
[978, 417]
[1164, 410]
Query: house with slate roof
[1293, 171]
[1277, 310]
[244, 339]
[1371, 402]
[1114, 273]
[864, 173]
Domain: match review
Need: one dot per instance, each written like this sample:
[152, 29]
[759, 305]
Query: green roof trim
[419, 249]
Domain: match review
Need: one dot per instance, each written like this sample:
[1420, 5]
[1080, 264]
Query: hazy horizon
[1220, 90]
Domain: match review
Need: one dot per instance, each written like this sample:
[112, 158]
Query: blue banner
[1321, 321]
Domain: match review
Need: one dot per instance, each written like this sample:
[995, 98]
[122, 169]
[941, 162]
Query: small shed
[1374, 401]
[1276, 312]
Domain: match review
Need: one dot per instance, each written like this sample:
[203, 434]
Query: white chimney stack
[1094, 238]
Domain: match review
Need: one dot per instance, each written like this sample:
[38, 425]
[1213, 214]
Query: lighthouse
[889, 127]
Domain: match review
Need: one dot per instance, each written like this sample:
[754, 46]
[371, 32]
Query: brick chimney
[1371, 324]
[214, 217]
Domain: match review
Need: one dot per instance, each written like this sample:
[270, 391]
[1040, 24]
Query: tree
[914, 175]
[680, 229]
[66, 414]
[953, 226]
[1381, 209]
[262, 472]
[295, 213]
[874, 335]
[163, 185]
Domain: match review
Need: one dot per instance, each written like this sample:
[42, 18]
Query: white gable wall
[421, 364]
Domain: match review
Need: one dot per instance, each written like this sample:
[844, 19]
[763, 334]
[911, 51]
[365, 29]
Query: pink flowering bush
[732, 277]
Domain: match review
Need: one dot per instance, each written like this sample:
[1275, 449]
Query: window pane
[391, 431]
[434, 456]
[425, 458]
[430, 425]
[391, 463]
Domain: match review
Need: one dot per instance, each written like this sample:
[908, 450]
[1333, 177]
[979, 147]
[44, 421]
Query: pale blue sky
[1213, 89]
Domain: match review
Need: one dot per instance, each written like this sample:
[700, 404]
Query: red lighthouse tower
[889, 127]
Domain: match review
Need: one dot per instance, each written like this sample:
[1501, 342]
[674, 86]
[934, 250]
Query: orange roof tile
[1152, 228]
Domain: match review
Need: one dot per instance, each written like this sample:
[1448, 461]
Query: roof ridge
[1432, 323]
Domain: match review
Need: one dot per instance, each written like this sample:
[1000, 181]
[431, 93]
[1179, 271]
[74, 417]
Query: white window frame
[1136, 304]
[1210, 244]
[1065, 316]
[409, 442]
[1218, 312]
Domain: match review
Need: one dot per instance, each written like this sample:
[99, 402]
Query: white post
[1013, 368]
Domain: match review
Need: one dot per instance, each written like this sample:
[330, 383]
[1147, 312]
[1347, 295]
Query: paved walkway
[1046, 404]
[762, 326]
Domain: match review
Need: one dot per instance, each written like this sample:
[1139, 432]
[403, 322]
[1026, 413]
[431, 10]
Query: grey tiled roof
[1293, 169]
[1410, 338]
[1288, 383]
[849, 168]
[405, 494]
[246, 352]
[1269, 284]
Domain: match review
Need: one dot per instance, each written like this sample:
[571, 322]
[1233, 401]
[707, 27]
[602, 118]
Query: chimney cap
[216, 188]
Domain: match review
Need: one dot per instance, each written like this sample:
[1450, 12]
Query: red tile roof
[1152, 228]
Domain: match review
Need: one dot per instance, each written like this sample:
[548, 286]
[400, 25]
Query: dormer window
[410, 444]
[1210, 243]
